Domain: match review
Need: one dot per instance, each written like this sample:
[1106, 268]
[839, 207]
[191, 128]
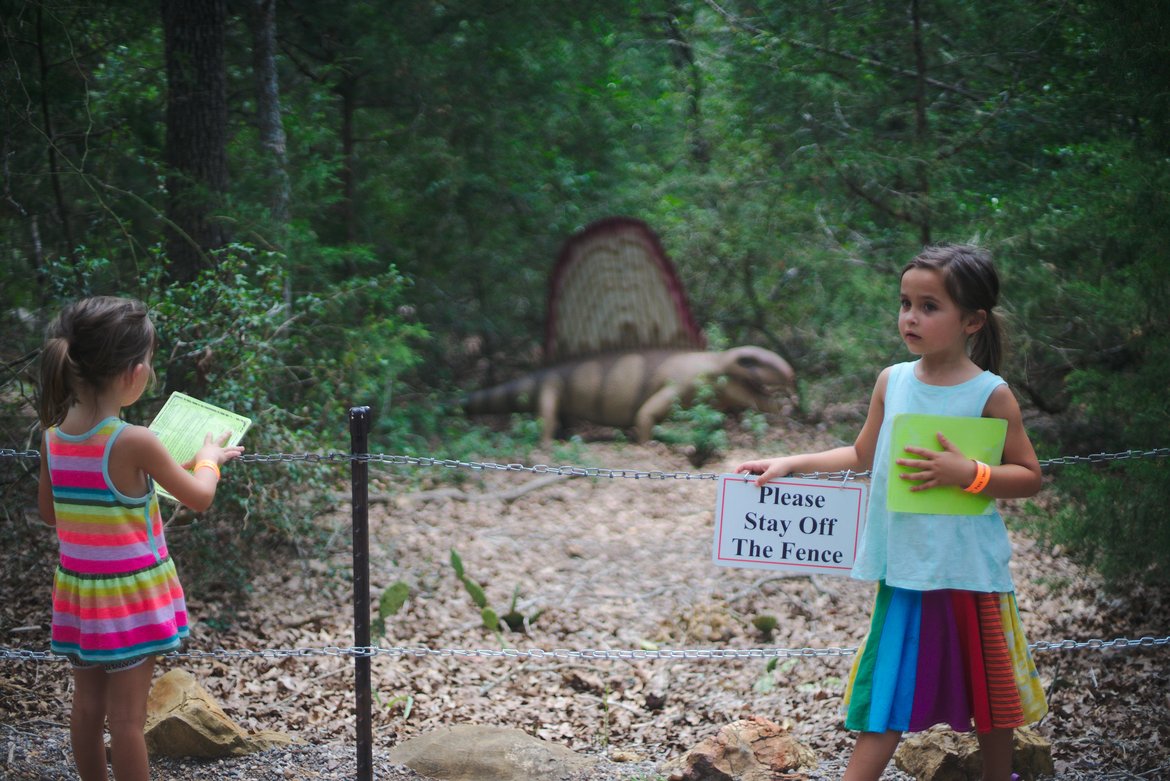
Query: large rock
[469, 752]
[182, 720]
[943, 755]
[752, 749]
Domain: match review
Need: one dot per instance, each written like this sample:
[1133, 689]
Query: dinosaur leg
[548, 407]
[653, 410]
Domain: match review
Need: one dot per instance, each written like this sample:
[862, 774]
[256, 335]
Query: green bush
[1114, 519]
[295, 367]
[1115, 514]
[697, 428]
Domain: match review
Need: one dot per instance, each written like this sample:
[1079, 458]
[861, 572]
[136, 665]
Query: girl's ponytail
[987, 345]
[58, 378]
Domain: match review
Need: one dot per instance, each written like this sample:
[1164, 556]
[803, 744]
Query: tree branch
[741, 24]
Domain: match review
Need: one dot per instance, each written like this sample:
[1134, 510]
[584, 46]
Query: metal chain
[24, 655]
[583, 471]
[1097, 458]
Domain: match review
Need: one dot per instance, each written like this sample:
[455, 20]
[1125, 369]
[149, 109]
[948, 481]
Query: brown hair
[971, 280]
[90, 343]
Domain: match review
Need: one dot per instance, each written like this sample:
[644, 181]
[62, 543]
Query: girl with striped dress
[117, 600]
[945, 645]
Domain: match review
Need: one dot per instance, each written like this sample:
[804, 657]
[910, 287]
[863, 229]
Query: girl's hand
[214, 450]
[950, 467]
[766, 468]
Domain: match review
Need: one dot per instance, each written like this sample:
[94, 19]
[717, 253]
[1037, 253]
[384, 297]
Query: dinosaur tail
[519, 395]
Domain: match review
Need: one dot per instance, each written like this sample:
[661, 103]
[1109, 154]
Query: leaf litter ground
[600, 564]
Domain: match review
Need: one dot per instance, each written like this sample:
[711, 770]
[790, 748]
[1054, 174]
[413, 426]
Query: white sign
[810, 526]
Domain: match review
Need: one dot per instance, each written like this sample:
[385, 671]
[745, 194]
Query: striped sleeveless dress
[116, 594]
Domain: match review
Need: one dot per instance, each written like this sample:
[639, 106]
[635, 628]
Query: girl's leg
[995, 747]
[87, 723]
[871, 755]
[126, 710]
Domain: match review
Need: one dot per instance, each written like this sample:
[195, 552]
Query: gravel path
[39, 752]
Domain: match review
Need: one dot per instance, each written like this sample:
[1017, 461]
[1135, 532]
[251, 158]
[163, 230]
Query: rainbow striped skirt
[943, 657]
[114, 618]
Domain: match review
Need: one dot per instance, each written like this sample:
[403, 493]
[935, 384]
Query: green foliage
[767, 681]
[1114, 516]
[765, 625]
[391, 601]
[437, 161]
[697, 427]
[511, 618]
[294, 367]
[1114, 519]
[405, 700]
[490, 620]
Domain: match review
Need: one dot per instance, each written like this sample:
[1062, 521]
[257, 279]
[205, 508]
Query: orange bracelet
[214, 467]
[982, 478]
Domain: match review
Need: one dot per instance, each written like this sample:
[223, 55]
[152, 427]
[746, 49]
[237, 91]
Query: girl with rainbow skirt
[945, 645]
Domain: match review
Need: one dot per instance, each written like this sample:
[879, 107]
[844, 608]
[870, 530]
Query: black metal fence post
[359, 432]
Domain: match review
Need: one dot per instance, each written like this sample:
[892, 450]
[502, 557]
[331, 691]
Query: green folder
[978, 438]
[184, 421]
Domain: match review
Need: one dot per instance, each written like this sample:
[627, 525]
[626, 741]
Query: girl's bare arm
[138, 450]
[858, 456]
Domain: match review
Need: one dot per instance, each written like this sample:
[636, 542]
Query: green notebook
[978, 438]
[184, 421]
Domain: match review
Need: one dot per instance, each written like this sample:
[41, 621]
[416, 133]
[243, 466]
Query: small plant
[490, 619]
[516, 620]
[391, 602]
[766, 682]
[754, 422]
[697, 427]
[406, 700]
[765, 625]
[513, 618]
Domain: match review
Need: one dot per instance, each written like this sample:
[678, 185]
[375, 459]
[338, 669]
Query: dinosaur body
[637, 389]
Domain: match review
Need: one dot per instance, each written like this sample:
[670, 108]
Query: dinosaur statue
[621, 345]
[637, 389]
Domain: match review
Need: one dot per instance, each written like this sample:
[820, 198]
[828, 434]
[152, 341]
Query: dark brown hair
[972, 282]
[89, 344]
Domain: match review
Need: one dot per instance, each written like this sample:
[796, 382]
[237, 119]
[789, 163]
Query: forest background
[359, 203]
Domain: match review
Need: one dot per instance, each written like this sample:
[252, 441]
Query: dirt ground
[592, 563]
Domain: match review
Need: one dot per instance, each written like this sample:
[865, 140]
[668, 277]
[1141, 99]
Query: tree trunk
[271, 125]
[683, 57]
[921, 129]
[268, 119]
[196, 143]
[70, 249]
[347, 89]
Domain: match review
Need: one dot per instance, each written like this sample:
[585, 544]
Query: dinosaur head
[756, 378]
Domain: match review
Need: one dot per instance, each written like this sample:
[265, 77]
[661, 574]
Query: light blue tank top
[925, 552]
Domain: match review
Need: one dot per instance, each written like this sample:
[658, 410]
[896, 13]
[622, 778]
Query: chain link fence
[586, 471]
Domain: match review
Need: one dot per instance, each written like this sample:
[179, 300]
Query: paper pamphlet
[978, 438]
[184, 421]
